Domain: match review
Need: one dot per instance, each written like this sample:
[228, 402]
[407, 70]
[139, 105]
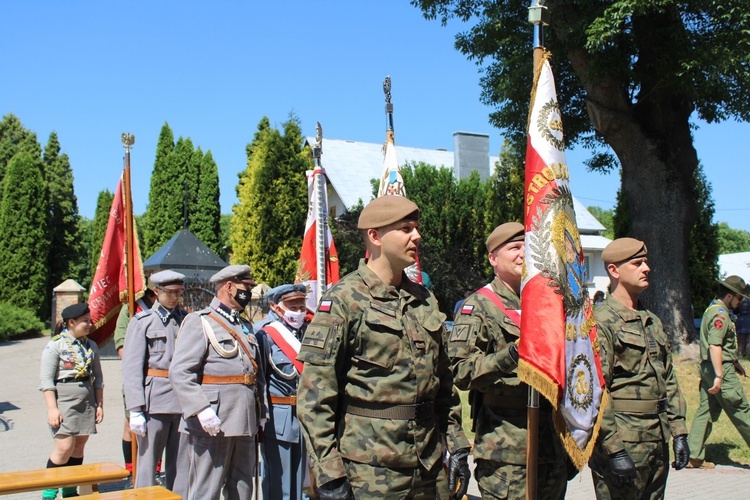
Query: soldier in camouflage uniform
[376, 392]
[720, 387]
[484, 359]
[631, 457]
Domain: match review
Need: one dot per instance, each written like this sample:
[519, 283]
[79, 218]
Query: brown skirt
[77, 404]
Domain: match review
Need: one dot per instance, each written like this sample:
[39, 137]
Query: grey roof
[349, 166]
[735, 263]
[186, 254]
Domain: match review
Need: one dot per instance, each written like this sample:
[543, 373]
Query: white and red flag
[109, 288]
[307, 270]
[558, 350]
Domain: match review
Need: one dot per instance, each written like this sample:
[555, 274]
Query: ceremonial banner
[558, 350]
[307, 272]
[109, 288]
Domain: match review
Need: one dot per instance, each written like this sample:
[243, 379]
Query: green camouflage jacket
[717, 328]
[478, 348]
[373, 345]
[637, 365]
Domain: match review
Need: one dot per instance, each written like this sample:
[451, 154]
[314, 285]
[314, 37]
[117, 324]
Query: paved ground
[28, 444]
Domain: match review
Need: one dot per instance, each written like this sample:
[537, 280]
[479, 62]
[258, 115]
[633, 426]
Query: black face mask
[242, 297]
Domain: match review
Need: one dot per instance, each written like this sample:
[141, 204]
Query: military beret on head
[623, 249]
[240, 273]
[735, 284]
[386, 210]
[286, 291]
[167, 278]
[505, 233]
[74, 311]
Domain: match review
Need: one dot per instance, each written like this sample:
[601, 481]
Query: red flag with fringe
[109, 288]
[559, 349]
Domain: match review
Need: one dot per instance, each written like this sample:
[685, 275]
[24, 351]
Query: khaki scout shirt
[371, 344]
[718, 329]
[637, 365]
[480, 360]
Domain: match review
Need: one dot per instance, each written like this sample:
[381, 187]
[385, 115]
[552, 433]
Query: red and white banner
[110, 286]
[307, 270]
[558, 350]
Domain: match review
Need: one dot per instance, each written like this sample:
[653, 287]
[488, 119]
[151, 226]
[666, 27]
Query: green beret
[386, 210]
[239, 273]
[74, 311]
[735, 284]
[623, 249]
[505, 233]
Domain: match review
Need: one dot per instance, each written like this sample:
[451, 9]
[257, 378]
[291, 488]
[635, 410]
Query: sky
[90, 71]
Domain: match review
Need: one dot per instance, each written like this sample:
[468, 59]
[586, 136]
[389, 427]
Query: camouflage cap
[74, 311]
[505, 233]
[167, 278]
[623, 249]
[287, 291]
[235, 272]
[386, 210]
[735, 284]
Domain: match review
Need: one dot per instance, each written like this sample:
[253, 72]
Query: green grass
[724, 446]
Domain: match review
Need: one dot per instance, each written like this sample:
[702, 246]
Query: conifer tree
[206, 219]
[267, 228]
[158, 193]
[99, 227]
[14, 138]
[24, 246]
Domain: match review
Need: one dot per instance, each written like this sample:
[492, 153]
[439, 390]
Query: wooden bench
[60, 477]
[148, 493]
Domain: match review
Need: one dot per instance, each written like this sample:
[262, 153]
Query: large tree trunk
[651, 137]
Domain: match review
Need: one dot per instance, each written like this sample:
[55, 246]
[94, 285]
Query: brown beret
[387, 210]
[735, 284]
[623, 249]
[505, 233]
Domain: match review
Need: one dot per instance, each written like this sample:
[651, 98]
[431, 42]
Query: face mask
[242, 297]
[294, 319]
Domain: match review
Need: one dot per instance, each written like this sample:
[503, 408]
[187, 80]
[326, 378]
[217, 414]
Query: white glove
[209, 421]
[137, 423]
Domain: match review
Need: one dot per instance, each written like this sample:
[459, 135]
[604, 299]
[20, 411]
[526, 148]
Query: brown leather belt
[284, 400]
[245, 379]
[505, 401]
[645, 406]
[155, 372]
[416, 411]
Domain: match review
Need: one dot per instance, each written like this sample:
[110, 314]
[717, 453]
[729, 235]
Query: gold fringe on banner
[539, 381]
[537, 71]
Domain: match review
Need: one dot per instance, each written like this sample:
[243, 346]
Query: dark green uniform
[481, 363]
[646, 404]
[375, 396]
[718, 329]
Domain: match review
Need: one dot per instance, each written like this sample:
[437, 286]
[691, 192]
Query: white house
[350, 165]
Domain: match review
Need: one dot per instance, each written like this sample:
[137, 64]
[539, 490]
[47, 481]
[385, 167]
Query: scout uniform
[375, 397]
[480, 350]
[214, 367]
[284, 453]
[149, 347]
[717, 329]
[646, 404]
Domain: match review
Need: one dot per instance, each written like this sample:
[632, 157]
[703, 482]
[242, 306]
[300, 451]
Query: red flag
[307, 271]
[558, 350]
[110, 286]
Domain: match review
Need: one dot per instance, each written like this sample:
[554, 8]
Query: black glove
[622, 467]
[338, 489]
[513, 351]
[681, 452]
[459, 474]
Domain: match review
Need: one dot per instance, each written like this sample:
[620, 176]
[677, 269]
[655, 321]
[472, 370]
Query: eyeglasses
[172, 293]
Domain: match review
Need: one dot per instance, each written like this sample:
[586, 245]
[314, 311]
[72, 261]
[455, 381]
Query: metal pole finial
[128, 140]
[318, 149]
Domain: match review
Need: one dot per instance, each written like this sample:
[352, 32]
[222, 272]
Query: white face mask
[294, 319]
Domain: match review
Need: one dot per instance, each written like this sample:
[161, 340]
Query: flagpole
[538, 17]
[128, 140]
[322, 216]
[389, 134]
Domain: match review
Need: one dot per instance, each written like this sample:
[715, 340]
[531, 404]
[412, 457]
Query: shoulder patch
[718, 324]
[325, 306]
[467, 309]
[143, 314]
[56, 337]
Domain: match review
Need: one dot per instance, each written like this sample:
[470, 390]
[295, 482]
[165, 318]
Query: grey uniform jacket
[149, 343]
[194, 357]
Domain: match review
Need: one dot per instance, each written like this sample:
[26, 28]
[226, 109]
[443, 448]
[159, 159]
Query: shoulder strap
[513, 314]
[236, 337]
[286, 341]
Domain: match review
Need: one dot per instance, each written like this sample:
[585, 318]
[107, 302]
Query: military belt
[155, 372]
[284, 400]
[645, 406]
[74, 379]
[418, 411]
[244, 379]
[505, 401]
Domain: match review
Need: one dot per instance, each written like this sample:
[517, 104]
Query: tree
[99, 227]
[732, 240]
[350, 244]
[64, 237]
[505, 195]
[205, 220]
[703, 255]
[269, 220]
[24, 246]
[161, 194]
[630, 74]
[606, 217]
[225, 223]
[14, 138]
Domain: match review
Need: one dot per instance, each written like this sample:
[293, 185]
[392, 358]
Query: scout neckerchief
[513, 314]
[287, 342]
[82, 355]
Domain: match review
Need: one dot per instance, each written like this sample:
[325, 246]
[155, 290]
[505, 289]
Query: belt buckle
[661, 405]
[246, 378]
[423, 410]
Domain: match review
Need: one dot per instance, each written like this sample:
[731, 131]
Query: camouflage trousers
[651, 462]
[370, 481]
[500, 480]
